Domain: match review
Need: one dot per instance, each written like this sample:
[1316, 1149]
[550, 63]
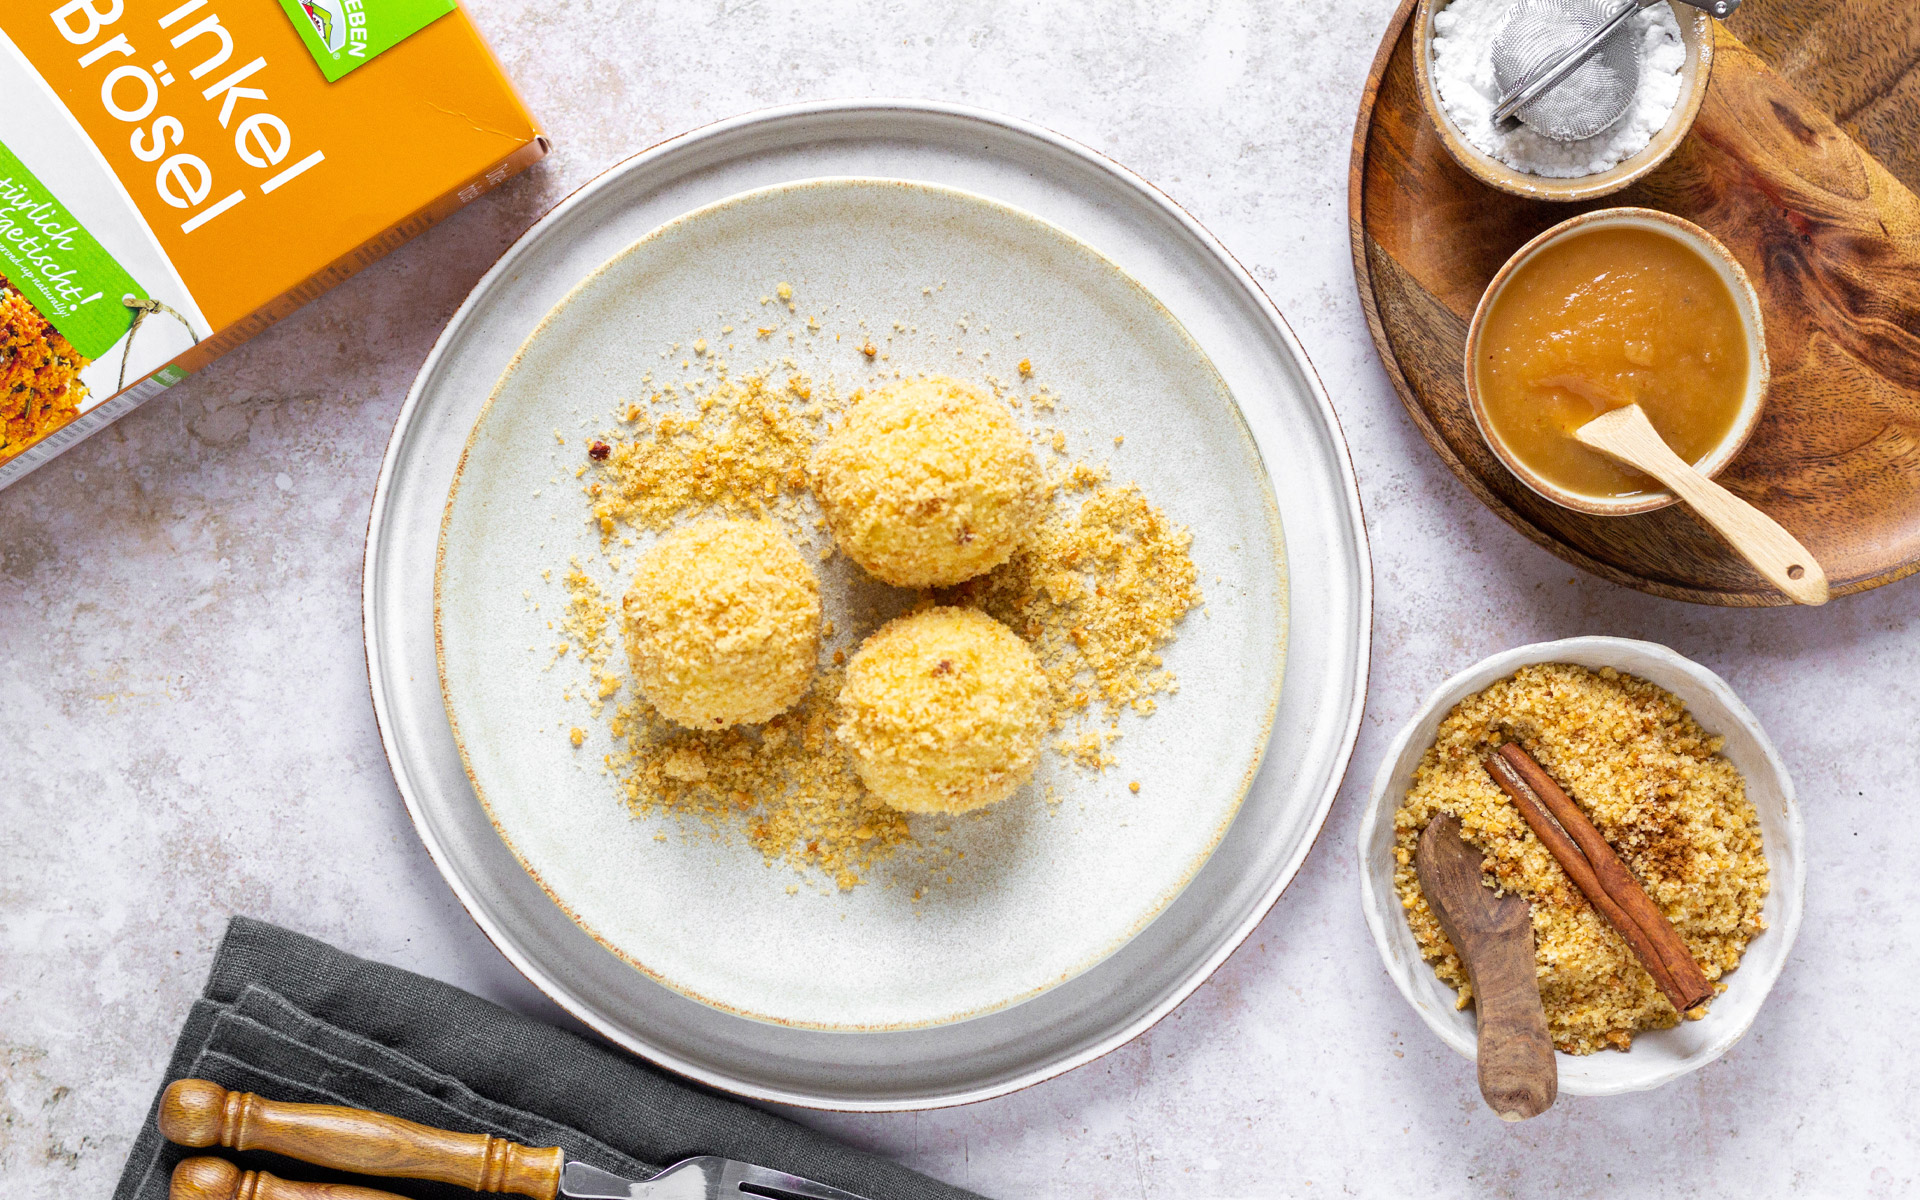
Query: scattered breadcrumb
[786, 783]
[743, 451]
[1655, 785]
[1096, 592]
[1087, 749]
[584, 628]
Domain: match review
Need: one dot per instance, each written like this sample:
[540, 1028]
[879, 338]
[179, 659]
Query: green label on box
[344, 34]
[50, 258]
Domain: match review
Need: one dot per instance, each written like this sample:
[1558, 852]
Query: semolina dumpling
[928, 483]
[722, 624]
[943, 710]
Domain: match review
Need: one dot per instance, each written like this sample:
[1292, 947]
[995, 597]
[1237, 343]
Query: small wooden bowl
[1744, 298]
[1696, 31]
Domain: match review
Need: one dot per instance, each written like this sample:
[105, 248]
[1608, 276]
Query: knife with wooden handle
[200, 1113]
[208, 1178]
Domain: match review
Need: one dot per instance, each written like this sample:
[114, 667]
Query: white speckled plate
[1035, 891]
[1048, 894]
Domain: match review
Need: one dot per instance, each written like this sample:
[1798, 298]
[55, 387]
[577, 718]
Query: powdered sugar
[1463, 36]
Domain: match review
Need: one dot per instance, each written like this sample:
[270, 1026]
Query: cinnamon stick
[1578, 869]
[1591, 863]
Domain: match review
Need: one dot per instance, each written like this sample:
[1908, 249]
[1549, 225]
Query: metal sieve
[1569, 68]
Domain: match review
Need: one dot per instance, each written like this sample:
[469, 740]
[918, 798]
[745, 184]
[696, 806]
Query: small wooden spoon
[1626, 434]
[1494, 937]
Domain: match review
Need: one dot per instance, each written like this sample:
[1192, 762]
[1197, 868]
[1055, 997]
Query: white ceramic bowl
[1659, 1056]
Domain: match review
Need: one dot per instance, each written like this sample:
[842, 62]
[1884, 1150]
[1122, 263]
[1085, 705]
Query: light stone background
[188, 734]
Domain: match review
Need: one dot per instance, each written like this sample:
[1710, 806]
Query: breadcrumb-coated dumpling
[722, 624]
[928, 483]
[944, 711]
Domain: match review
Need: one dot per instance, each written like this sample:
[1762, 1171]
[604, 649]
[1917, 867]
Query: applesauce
[1601, 319]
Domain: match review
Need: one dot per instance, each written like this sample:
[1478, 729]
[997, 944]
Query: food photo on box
[157, 215]
[967, 599]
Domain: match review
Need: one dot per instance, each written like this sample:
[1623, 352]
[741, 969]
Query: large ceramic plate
[1257, 362]
[1041, 886]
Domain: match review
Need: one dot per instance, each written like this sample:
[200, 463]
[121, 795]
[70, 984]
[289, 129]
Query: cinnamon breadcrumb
[1657, 788]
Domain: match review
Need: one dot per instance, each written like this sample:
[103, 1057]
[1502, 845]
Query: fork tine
[764, 1181]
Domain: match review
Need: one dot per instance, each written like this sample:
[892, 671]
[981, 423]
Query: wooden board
[1858, 60]
[1829, 236]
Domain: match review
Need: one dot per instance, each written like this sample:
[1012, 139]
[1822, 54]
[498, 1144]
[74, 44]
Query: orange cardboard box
[177, 175]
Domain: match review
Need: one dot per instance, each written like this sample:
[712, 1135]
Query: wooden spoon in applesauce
[1626, 436]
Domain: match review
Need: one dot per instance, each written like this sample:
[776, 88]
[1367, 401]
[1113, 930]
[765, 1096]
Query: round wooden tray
[1832, 243]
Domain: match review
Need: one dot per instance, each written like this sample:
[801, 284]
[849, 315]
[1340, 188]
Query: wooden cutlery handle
[217, 1179]
[195, 1112]
[1518, 1075]
[1759, 539]
[1493, 936]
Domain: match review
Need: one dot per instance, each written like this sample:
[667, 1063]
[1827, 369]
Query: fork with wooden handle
[1625, 434]
[197, 1112]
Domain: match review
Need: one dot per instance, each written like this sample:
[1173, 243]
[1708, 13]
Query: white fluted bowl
[1658, 1056]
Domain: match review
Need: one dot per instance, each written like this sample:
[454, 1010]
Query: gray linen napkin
[295, 1019]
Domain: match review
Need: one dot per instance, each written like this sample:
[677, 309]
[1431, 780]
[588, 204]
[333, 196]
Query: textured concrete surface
[184, 696]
